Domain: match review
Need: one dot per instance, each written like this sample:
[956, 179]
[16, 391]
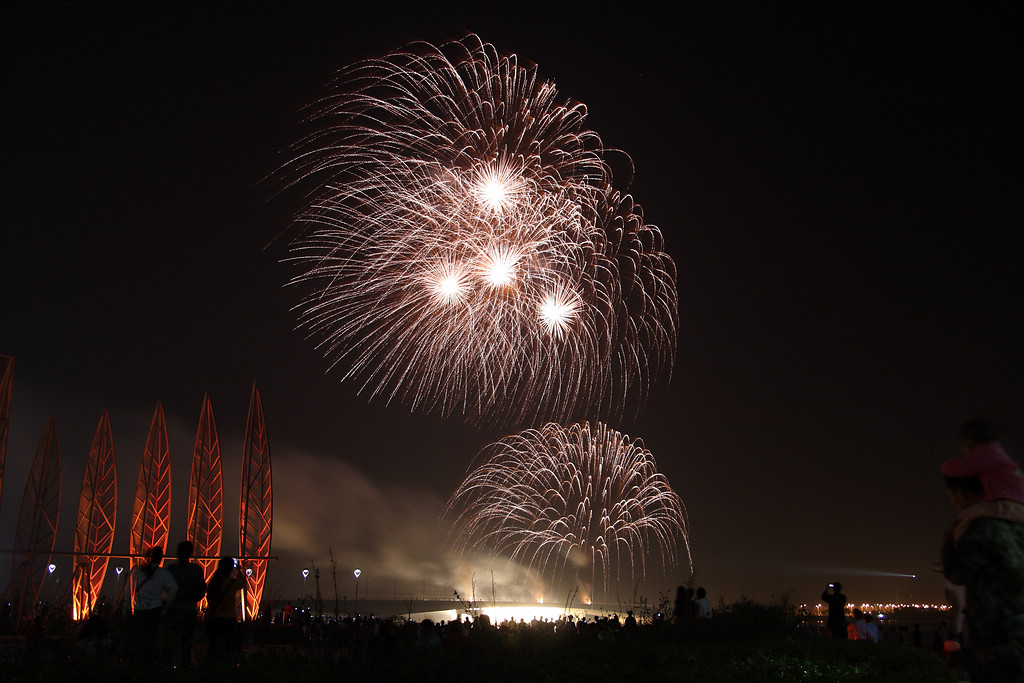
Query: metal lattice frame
[257, 504]
[97, 515]
[206, 493]
[151, 513]
[6, 382]
[37, 526]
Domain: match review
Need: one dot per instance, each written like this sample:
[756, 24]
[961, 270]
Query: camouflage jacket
[987, 558]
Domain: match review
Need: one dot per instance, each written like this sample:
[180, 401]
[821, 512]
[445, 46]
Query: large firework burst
[581, 500]
[462, 248]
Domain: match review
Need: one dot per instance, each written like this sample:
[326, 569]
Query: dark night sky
[840, 191]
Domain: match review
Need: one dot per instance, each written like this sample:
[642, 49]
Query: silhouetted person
[703, 605]
[428, 639]
[691, 605]
[679, 606]
[629, 625]
[183, 611]
[35, 635]
[221, 612]
[836, 602]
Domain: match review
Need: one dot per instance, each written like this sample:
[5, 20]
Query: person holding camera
[836, 602]
[222, 610]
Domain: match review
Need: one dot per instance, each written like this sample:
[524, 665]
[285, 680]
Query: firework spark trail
[462, 248]
[582, 499]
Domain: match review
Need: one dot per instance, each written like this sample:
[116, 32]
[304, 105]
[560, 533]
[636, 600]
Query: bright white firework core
[499, 268]
[448, 289]
[556, 311]
[494, 194]
[496, 187]
[448, 286]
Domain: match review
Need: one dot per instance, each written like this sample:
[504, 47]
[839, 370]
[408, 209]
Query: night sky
[840, 191]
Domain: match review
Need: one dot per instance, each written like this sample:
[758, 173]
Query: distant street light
[117, 570]
[56, 592]
[305, 573]
[248, 573]
[355, 604]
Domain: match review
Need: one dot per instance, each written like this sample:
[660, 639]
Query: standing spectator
[154, 588]
[703, 605]
[690, 606]
[939, 639]
[221, 610]
[836, 602]
[983, 551]
[679, 606]
[183, 610]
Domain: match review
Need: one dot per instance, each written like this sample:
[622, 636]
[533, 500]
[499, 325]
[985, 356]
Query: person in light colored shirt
[874, 633]
[153, 588]
[703, 605]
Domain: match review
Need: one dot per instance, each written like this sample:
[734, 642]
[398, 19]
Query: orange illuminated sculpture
[206, 493]
[94, 528]
[151, 513]
[95, 523]
[257, 503]
[37, 526]
[6, 381]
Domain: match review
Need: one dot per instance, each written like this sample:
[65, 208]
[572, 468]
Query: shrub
[746, 619]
